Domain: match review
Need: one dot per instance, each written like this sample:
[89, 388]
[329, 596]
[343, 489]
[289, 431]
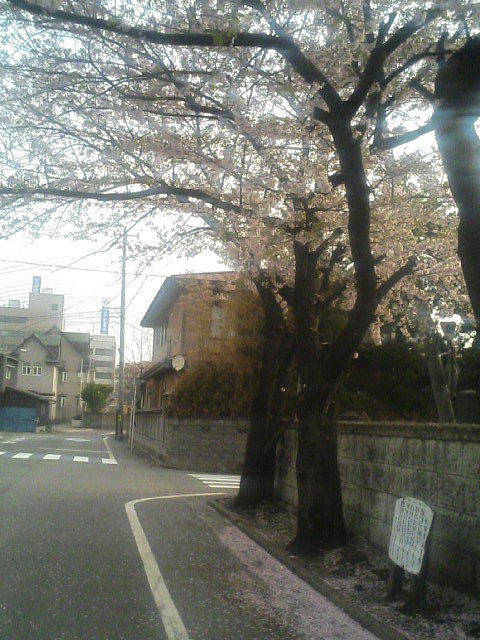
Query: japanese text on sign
[412, 520]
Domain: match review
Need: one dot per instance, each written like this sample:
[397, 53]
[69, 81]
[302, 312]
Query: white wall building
[102, 359]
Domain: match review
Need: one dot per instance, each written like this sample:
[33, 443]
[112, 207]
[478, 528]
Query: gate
[17, 419]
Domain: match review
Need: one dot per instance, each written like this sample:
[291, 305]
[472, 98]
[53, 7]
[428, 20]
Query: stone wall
[439, 464]
[100, 420]
[194, 444]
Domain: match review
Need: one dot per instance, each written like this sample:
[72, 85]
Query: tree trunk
[457, 89]
[258, 474]
[320, 522]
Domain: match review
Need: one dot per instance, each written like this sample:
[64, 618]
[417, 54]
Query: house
[52, 365]
[19, 410]
[190, 325]
[196, 394]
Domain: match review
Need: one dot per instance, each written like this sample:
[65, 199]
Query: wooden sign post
[412, 521]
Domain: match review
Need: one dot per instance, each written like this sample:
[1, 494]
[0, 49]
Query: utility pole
[121, 363]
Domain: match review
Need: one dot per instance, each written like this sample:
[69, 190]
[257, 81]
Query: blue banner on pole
[37, 283]
[104, 321]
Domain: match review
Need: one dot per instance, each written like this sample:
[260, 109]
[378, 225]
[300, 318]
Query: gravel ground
[360, 572]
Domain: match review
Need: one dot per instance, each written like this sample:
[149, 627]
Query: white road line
[107, 446]
[80, 458]
[72, 450]
[23, 456]
[217, 485]
[173, 624]
[51, 456]
[218, 480]
[109, 461]
[214, 475]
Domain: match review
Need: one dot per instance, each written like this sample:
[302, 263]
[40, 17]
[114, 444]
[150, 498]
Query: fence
[205, 444]
[439, 464]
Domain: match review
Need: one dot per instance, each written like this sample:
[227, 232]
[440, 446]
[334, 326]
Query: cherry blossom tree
[253, 117]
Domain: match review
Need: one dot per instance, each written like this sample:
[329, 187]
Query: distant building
[102, 359]
[44, 310]
[53, 365]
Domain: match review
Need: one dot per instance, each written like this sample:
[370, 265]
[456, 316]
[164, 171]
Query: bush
[389, 382]
[469, 377]
[212, 390]
[96, 396]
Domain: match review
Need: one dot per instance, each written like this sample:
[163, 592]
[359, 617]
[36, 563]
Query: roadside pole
[121, 363]
[132, 413]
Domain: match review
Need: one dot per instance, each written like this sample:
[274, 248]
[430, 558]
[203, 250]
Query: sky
[88, 280]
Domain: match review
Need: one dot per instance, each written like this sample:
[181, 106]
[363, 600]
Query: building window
[217, 324]
[62, 401]
[104, 352]
[8, 374]
[162, 332]
[26, 369]
[103, 375]
[13, 319]
[37, 369]
[64, 376]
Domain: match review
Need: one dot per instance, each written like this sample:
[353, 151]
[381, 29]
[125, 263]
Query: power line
[60, 266]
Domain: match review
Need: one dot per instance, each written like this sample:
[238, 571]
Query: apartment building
[102, 359]
[45, 309]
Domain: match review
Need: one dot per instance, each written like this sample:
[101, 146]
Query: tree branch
[299, 61]
[382, 50]
[390, 282]
[326, 303]
[185, 39]
[403, 138]
[73, 194]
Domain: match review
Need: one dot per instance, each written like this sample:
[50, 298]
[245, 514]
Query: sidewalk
[355, 579]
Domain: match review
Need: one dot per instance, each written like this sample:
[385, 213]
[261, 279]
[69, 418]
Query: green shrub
[469, 364]
[96, 396]
[389, 382]
[212, 390]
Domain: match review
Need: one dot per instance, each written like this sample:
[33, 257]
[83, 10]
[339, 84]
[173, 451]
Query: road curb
[366, 620]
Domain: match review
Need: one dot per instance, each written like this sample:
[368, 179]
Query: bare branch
[382, 50]
[390, 282]
[196, 194]
[384, 144]
[186, 39]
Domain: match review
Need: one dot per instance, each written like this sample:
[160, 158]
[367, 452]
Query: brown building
[194, 321]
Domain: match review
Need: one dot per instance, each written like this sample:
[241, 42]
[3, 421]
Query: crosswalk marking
[217, 481]
[57, 457]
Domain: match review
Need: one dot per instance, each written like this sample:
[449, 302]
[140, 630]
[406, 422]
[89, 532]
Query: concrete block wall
[98, 420]
[194, 444]
[439, 464]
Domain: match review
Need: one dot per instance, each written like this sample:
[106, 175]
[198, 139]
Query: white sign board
[412, 520]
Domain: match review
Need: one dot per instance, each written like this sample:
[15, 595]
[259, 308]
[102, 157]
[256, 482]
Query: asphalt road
[99, 544]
